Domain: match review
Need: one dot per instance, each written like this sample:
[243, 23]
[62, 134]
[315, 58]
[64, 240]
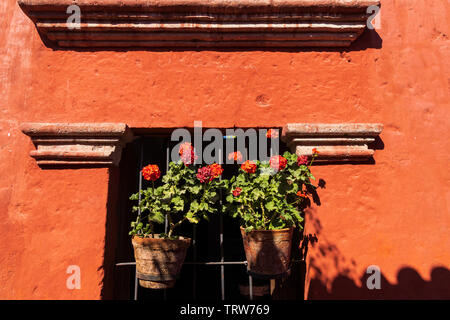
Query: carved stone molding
[200, 23]
[77, 144]
[335, 142]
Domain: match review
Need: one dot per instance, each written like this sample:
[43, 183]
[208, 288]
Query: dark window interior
[202, 282]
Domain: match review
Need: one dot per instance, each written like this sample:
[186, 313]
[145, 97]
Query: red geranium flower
[302, 160]
[185, 147]
[272, 133]
[216, 170]
[278, 162]
[187, 153]
[237, 192]
[236, 156]
[205, 174]
[302, 195]
[249, 166]
[314, 150]
[151, 172]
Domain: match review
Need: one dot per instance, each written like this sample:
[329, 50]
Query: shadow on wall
[327, 256]
[410, 285]
[368, 40]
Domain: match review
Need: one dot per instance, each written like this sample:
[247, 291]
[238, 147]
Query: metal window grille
[221, 262]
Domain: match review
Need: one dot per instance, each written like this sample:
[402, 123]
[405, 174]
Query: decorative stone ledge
[201, 23]
[77, 144]
[335, 142]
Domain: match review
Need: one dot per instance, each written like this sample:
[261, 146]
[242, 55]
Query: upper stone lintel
[199, 23]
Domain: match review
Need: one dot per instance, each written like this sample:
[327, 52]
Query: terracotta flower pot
[268, 252]
[159, 261]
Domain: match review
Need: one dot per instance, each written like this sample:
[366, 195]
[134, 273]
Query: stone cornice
[200, 23]
[335, 142]
[77, 144]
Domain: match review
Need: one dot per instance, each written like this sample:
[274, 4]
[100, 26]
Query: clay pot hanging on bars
[268, 252]
[159, 261]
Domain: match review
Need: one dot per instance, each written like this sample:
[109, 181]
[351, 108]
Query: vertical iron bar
[141, 156]
[141, 161]
[166, 221]
[250, 287]
[135, 285]
[194, 276]
[221, 240]
[222, 258]
[250, 279]
[271, 149]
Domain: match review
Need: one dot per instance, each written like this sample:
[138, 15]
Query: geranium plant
[272, 195]
[188, 193]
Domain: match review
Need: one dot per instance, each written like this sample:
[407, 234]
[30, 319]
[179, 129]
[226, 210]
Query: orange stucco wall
[393, 214]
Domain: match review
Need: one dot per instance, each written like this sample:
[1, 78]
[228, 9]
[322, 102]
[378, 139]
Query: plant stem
[263, 216]
[312, 159]
[173, 226]
[169, 222]
[149, 222]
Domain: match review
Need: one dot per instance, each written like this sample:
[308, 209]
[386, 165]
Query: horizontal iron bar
[217, 263]
[202, 263]
[126, 264]
[190, 263]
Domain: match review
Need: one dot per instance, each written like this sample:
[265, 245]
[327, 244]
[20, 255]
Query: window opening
[215, 267]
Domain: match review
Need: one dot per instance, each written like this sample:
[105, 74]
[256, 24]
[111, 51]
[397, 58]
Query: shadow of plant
[346, 282]
[410, 285]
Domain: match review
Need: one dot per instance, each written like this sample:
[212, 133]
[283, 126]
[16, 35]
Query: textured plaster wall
[393, 214]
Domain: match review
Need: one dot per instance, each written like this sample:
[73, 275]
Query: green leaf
[270, 205]
[192, 218]
[158, 217]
